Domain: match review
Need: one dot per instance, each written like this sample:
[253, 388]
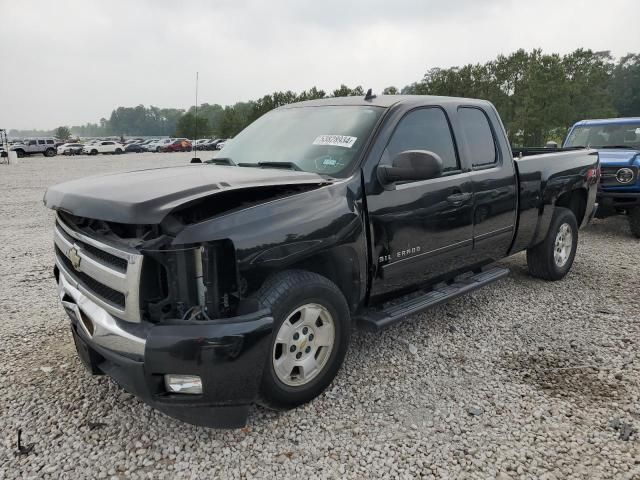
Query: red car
[179, 145]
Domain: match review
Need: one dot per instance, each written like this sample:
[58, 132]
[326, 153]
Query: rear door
[494, 181]
[421, 229]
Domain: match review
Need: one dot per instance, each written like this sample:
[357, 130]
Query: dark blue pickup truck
[618, 143]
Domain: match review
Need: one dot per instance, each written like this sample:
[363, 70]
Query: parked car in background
[147, 142]
[106, 146]
[618, 143]
[158, 144]
[70, 149]
[134, 148]
[209, 144]
[220, 145]
[178, 145]
[31, 146]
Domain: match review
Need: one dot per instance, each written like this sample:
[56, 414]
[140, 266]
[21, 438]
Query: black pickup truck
[205, 288]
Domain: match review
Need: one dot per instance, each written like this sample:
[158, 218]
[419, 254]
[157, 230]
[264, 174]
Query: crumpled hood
[618, 157]
[147, 196]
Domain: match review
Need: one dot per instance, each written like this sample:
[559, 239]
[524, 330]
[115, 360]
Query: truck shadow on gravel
[564, 375]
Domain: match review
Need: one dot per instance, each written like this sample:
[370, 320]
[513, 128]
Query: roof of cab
[386, 101]
[608, 121]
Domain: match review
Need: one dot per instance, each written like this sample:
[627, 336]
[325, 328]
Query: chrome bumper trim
[107, 331]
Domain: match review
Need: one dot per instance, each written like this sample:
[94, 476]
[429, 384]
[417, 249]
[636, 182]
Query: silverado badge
[74, 257]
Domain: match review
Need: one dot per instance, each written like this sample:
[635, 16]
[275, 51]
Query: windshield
[323, 140]
[615, 135]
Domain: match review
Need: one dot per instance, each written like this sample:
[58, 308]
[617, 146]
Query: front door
[423, 229]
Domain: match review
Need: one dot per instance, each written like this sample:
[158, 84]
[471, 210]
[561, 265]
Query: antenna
[195, 159]
[369, 95]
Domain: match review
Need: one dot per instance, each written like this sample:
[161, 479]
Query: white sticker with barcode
[335, 140]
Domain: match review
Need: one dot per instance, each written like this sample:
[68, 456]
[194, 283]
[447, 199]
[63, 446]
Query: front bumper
[227, 354]
[613, 199]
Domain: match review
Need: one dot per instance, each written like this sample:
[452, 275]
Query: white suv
[159, 144]
[45, 146]
[106, 146]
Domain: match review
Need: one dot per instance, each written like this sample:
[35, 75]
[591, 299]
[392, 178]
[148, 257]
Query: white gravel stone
[549, 365]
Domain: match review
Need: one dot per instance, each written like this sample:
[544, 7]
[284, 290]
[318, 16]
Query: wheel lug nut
[305, 330]
[307, 350]
[296, 336]
[311, 337]
[293, 348]
[298, 355]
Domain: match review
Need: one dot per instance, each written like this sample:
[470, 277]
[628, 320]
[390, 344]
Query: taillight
[593, 174]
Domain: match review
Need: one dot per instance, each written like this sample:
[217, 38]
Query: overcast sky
[72, 62]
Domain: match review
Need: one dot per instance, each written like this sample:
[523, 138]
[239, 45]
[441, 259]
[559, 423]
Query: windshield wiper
[221, 161]
[287, 165]
[626, 147]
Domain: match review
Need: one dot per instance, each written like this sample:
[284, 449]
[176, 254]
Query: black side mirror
[411, 165]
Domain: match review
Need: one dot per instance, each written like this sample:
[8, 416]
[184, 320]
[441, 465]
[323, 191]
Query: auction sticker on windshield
[335, 140]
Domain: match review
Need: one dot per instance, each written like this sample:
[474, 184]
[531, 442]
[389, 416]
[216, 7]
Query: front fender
[324, 226]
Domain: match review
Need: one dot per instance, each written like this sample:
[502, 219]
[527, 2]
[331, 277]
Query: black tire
[541, 258]
[94, 152]
[118, 151]
[20, 153]
[283, 293]
[634, 221]
[49, 152]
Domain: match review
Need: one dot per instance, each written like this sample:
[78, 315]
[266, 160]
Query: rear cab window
[479, 137]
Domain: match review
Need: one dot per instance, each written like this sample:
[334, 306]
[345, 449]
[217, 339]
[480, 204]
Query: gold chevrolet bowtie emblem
[74, 257]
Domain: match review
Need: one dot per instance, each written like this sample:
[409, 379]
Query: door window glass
[425, 129]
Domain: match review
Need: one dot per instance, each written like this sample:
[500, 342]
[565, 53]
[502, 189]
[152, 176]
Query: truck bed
[542, 179]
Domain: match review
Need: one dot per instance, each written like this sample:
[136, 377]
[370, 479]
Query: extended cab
[618, 142]
[205, 288]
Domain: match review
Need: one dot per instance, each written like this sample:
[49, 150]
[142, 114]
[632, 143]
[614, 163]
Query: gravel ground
[523, 379]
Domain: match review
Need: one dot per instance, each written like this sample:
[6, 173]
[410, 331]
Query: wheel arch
[339, 265]
[576, 201]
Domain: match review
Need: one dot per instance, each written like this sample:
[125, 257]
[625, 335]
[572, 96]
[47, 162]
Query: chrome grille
[609, 176]
[108, 275]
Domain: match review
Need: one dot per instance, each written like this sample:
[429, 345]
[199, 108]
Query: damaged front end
[145, 310]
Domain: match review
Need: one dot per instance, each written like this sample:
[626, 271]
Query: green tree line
[538, 96]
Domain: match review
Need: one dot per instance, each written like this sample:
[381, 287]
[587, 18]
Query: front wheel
[311, 331]
[552, 259]
[49, 152]
[634, 221]
[20, 153]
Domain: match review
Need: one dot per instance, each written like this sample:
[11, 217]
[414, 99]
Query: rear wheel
[311, 333]
[118, 151]
[552, 259]
[634, 221]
